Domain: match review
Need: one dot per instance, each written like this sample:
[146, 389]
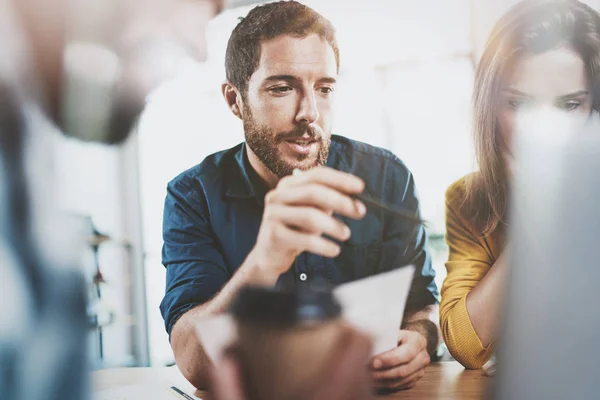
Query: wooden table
[444, 380]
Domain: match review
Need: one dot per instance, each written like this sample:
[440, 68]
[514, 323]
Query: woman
[540, 55]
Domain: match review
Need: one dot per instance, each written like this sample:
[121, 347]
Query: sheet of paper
[215, 334]
[155, 391]
[374, 305]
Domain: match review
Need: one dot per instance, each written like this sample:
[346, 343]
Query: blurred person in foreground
[242, 217]
[43, 322]
[543, 56]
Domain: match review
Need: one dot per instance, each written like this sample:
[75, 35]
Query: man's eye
[281, 89]
[326, 90]
[570, 105]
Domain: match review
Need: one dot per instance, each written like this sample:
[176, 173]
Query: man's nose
[308, 112]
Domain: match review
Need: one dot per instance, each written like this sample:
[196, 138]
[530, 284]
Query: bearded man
[243, 217]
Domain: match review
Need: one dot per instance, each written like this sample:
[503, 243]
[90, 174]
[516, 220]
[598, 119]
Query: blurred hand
[401, 368]
[300, 210]
[346, 377]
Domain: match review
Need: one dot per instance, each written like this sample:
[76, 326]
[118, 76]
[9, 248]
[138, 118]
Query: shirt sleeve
[195, 268]
[468, 262]
[411, 239]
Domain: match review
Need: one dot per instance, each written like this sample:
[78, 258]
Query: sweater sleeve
[468, 263]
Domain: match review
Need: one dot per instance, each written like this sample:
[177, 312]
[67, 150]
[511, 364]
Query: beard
[265, 143]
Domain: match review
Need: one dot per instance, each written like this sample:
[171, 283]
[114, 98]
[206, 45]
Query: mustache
[314, 133]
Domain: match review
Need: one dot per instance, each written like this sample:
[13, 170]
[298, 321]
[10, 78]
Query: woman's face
[552, 83]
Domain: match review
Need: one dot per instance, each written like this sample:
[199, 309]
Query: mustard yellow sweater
[471, 256]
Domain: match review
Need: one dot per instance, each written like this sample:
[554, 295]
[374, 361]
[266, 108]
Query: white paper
[374, 305]
[154, 391]
[215, 334]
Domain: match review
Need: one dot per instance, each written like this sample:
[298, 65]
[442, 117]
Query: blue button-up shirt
[213, 213]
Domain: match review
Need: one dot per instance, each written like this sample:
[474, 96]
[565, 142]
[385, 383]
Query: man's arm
[421, 314]
[297, 214]
[418, 338]
[425, 322]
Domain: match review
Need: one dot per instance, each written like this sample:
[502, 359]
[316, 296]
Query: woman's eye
[517, 104]
[570, 105]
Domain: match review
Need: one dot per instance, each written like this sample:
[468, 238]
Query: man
[241, 216]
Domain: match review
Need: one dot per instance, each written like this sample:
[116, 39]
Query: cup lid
[269, 306]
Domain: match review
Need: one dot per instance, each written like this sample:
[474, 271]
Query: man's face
[287, 111]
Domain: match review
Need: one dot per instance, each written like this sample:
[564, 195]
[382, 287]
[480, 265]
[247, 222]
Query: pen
[182, 393]
[400, 212]
[369, 201]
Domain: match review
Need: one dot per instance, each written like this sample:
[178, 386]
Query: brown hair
[531, 26]
[266, 22]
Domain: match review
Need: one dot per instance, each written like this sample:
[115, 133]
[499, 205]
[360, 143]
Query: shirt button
[303, 277]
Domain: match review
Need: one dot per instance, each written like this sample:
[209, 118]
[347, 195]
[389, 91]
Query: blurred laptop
[549, 346]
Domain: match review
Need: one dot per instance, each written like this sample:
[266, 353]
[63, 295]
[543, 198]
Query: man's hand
[299, 211]
[346, 376]
[402, 367]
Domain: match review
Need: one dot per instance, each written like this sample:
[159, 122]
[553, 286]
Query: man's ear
[233, 98]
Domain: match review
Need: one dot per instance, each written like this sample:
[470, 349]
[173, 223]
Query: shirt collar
[244, 182]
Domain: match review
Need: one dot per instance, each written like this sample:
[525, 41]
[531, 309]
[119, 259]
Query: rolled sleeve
[403, 234]
[195, 268]
[424, 290]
